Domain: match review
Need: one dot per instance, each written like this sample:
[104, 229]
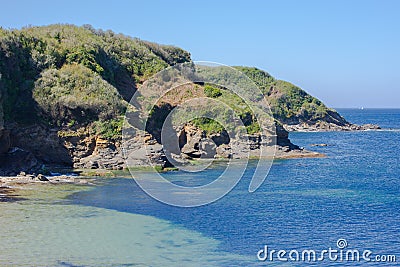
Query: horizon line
[361, 108]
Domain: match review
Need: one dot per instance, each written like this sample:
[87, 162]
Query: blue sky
[347, 53]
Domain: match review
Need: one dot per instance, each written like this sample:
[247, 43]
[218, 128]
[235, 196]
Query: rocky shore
[23, 179]
[10, 185]
[26, 150]
[33, 149]
[66, 109]
[322, 126]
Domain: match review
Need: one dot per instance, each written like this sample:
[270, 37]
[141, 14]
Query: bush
[34, 53]
[211, 91]
[109, 129]
[75, 93]
[210, 126]
[253, 128]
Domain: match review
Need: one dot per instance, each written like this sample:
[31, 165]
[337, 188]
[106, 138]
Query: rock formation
[64, 91]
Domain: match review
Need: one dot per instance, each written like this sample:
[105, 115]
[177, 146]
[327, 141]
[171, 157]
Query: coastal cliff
[64, 91]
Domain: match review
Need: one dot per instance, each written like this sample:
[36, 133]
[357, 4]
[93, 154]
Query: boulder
[18, 160]
[224, 151]
[192, 137]
[207, 148]
[220, 138]
[44, 143]
[41, 177]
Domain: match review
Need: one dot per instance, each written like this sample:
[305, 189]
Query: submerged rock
[319, 144]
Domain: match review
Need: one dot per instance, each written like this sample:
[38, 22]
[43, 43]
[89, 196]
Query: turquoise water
[48, 230]
[353, 193]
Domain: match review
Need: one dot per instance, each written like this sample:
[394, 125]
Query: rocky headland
[64, 91]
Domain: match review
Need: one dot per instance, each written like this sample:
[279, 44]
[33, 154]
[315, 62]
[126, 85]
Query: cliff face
[1, 110]
[64, 91]
[4, 136]
[13, 160]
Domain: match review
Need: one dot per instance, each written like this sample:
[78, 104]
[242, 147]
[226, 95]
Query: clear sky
[347, 53]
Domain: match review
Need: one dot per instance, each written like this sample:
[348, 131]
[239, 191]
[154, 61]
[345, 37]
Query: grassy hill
[63, 74]
[64, 90]
[289, 103]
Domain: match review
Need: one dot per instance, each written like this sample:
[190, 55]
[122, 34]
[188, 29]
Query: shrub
[210, 126]
[75, 93]
[109, 129]
[253, 128]
[212, 91]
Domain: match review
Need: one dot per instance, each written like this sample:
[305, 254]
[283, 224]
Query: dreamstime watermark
[340, 253]
[168, 101]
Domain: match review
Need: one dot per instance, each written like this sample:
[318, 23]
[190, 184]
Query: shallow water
[353, 193]
[44, 231]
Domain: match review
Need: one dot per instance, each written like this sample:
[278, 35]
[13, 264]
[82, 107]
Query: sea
[340, 210]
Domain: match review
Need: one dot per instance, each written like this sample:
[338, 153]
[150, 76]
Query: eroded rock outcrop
[13, 159]
[31, 147]
[94, 152]
[4, 141]
[195, 143]
[17, 160]
[4, 135]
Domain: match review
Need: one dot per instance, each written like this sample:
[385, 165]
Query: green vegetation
[67, 76]
[288, 103]
[70, 77]
[235, 103]
[75, 93]
[210, 126]
[110, 129]
[253, 128]
[212, 91]
[261, 78]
